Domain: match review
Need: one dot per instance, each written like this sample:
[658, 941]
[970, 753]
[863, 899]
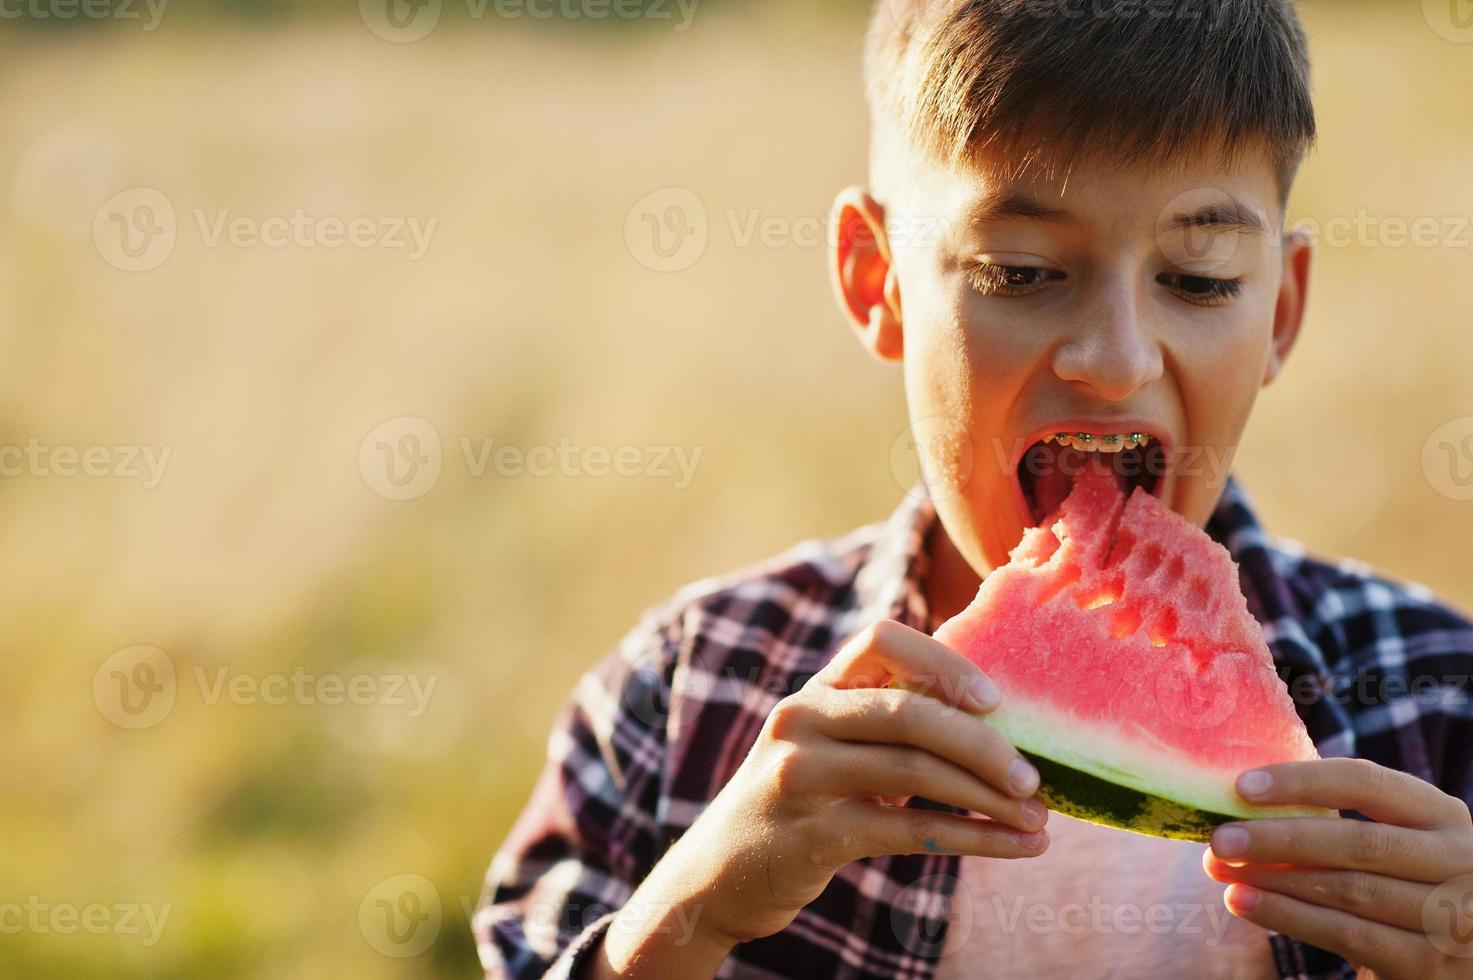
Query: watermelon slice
[1133, 675]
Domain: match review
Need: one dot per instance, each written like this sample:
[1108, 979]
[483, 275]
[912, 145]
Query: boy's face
[1124, 300]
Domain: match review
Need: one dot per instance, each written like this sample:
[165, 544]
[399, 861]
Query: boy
[1073, 226]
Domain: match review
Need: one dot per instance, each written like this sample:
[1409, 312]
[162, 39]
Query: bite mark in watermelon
[1133, 675]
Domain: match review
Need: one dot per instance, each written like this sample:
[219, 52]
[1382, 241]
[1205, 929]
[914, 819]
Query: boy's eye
[1011, 280]
[1202, 290]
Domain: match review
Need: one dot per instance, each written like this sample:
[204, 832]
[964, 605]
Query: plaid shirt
[1378, 670]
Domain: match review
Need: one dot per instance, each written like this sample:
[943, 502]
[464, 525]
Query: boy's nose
[1112, 351]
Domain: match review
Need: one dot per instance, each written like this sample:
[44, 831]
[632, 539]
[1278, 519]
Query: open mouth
[1047, 471]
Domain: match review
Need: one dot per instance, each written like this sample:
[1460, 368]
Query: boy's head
[1074, 224]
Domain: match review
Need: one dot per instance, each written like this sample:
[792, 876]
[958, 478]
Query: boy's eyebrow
[1229, 215]
[1014, 204]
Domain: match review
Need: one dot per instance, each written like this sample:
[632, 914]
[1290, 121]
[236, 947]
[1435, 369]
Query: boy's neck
[952, 582]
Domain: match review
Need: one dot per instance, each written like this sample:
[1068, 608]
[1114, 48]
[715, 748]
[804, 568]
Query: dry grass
[528, 321]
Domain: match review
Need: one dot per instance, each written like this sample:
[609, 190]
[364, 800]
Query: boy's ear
[1293, 291]
[864, 278]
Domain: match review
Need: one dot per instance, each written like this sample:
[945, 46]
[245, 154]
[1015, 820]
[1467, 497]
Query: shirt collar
[891, 582]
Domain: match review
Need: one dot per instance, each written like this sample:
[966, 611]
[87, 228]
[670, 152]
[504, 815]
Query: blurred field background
[264, 829]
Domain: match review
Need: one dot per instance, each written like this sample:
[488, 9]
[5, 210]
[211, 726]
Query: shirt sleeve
[589, 834]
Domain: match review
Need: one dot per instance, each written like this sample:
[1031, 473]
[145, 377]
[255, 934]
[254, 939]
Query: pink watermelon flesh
[1132, 672]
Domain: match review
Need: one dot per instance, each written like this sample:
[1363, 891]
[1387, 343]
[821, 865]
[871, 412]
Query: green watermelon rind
[1091, 789]
[1078, 794]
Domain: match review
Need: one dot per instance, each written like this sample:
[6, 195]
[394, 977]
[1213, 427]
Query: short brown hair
[1040, 82]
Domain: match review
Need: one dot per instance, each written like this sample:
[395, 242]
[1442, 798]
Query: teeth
[1109, 443]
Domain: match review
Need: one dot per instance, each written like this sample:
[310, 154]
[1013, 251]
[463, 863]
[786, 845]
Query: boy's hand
[1394, 896]
[811, 794]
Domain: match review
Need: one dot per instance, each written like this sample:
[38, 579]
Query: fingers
[873, 829]
[1387, 950]
[1382, 794]
[887, 651]
[879, 715]
[1391, 901]
[1315, 842]
[891, 770]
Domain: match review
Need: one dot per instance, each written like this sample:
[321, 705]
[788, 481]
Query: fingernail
[1022, 776]
[1034, 811]
[1034, 840]
[1229, 841]
[1254, 782]
[984, 693]
[1244, 897]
